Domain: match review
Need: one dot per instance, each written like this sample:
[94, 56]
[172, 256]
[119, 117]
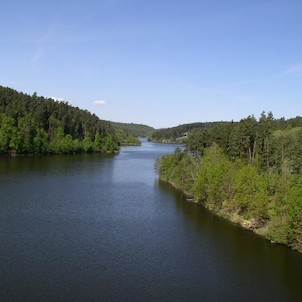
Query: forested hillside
[34, 124]
[136, 130]
[128, 134]
[125, 138]
[249, 172]
[179, 134]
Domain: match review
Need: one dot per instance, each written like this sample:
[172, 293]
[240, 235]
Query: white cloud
[294, 68]
[99, 102]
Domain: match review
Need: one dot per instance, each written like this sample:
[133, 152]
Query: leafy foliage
[179, 134]
[128, 134]
[126, 139]
[248, 172]
[135, 130]
[32, 124]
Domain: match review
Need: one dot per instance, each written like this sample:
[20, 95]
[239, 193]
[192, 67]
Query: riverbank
[254, 225]
[101, 228]
[270, 205]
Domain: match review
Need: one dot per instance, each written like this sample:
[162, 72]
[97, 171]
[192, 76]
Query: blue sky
[161, 63]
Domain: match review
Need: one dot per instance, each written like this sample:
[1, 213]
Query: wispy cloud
[54, 34]
[100, 102]
[36, 57]
[40, 43]
[296, 68]
[254, 80]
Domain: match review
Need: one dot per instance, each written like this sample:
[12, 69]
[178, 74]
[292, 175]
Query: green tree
[9, 137]
[295, 213]
[251, 194]
[98, 143]
[213, 178]
[88, 145]
[40, 142]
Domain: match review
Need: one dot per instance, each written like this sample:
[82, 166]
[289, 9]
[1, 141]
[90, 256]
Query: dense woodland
[179, 133]
[34, 125]
[249, 172]
[128, 133]
[135, 130]
[126, 139]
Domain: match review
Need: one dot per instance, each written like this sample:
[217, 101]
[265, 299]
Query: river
[104, 228]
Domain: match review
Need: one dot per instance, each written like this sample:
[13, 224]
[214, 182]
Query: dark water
[102, 228]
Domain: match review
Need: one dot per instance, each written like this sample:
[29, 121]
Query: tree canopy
[249, 172]
[179, 133]
[128, 134]
[35, 124]
[136, 130]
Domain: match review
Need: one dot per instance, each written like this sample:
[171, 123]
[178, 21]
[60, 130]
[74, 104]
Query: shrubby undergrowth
[253, 179]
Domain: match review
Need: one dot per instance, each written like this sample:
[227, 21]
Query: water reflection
[103, 228]
[248, 255]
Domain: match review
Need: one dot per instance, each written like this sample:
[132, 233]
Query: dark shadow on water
[242, 249]
[102, 228]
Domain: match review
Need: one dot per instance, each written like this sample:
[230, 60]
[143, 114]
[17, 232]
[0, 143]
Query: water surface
[103, 228]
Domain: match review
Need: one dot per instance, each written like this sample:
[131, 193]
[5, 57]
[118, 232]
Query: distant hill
[179, 133]
[136, 130]
[31, 124]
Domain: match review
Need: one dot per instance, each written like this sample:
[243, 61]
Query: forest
[179, 133]
[134, 130]
[249, 172]
[128, 133]
[31, 124]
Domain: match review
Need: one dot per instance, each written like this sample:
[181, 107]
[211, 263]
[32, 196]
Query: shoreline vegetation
[247, 172]
[37, 125]
[31, 125]
[128, 134]
[179, 134]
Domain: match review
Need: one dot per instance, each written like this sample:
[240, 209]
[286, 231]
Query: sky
[160, 63]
